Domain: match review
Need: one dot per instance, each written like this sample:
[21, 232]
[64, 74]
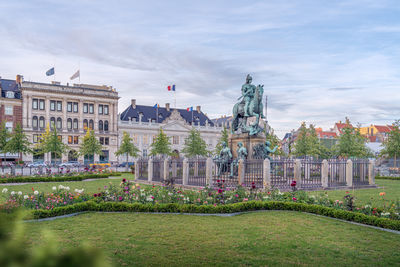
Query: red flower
[293, 184]
[220, 191]
[223, 181]
[95, 195]
[218, 181]
[294, 199]
[124, 180]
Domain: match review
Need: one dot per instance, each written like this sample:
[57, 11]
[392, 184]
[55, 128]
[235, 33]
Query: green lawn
[272, 238]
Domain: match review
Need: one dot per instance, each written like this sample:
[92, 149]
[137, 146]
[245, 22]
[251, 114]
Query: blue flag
[156, 106]
[173, 87]
[50, 72]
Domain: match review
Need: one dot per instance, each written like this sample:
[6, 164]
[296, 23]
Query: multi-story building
[376, 133]
[71, 109]
[10, 109]
[143, 123]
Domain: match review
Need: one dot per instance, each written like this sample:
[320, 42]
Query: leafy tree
[18, 142]
[127, 147]
[161, 145]
[223, 138]
[307, 143]
[391, 146]
[50, 143]
[274, 140]
[90, 145]
[4, 136]
[351, 143]
[195, 145]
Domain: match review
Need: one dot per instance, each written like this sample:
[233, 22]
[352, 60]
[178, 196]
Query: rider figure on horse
[248, 91]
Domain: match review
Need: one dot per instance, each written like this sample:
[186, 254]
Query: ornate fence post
[185, 171]
[297, 171]
[266, 173]
[371, 172]
[150, 170]
[136, 165]
[324, 173]
[349, 173]
[241, 171]
[166, 169]
[209, 170]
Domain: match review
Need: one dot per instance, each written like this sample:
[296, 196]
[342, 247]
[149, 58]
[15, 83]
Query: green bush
[387, 178]
[56, 178]
[229, 208]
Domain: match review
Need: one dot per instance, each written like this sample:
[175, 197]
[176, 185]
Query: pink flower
[294, 199]
[205, 202]
[120, 198]
[245, 199]
[236, 195]
[215, 204]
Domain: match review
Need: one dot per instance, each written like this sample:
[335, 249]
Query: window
[85, 124]
[59, 123]
[52, 105]
[35, 122]
[41, 104]
[69, 106]
[100, 109]
[34, 103]
[76, 124]
[70, 139]
[106, 126]
[76, 140]
[101, 125]
[52, 123]
[91, 125]
[75, 107]
[154, 138]
[175, 140]
[85, 108]
[41, 122]
[144, 152]
[36, 138]
[8, 110]
[145, 139]
[91, 108]
[105, 109]
[104, 156]
[134, 138]
[101, 139]
[69, 124]
[106, 141]
[59, 105]
[10, 94]
[59, 137]
[9, 126]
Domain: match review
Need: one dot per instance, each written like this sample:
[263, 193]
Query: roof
[340, 126]
[10, 85]
[150, 113]
[322, 134]
[383, 128]
[222, 121]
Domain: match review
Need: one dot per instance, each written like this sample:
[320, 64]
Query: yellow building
[380, 131]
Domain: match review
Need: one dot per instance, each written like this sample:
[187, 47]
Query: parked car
[37, 164]
[69, 164]
[123, 164]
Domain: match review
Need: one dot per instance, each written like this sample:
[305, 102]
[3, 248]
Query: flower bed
[58, 177]
[134, 197]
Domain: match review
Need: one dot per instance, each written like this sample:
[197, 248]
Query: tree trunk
[127, 165]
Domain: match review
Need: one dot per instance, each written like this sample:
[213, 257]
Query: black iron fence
[282, 173]
[253, 173]
[311, 171]
[158, 169]
[142, 166]
[176, 170]
[226, 172]
[197, 171]
[360, 172]
[336, 172]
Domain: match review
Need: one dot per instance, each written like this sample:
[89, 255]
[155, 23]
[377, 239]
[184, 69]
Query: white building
[143, 124]
[71, 109]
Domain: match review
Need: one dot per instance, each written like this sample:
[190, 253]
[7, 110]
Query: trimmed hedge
[56, 179]
[229, 208]
[387, 178]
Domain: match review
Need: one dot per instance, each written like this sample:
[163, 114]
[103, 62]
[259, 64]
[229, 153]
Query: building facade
[143, 123]
[71, 109]
[10, 109]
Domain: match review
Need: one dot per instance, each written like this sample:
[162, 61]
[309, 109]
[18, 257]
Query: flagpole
[79, 72]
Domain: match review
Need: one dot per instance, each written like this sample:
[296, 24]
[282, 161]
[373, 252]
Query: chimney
[167, 106]
[198, 108]
[19, 79]
[133, 103]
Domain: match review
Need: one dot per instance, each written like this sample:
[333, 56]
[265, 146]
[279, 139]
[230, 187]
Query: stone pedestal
[248, 142]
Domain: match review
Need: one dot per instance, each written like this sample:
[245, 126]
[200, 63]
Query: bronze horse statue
[239, 120]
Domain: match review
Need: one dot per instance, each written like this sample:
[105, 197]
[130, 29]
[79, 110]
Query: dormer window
[10, 94]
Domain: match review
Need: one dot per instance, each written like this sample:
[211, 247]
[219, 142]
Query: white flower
[60, 187]
[54, 188]
[19, 193]
[5, 190]
[67, 188]
[367, 206]
[170, 194]
[12, 193]
[36, 192]
[76, 190]
[26, 196]
[149, 198]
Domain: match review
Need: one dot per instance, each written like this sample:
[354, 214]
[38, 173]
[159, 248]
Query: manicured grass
[369, 196]
[89, 186]
[271, 238]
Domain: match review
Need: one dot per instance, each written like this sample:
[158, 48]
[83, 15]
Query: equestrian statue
[250, 106]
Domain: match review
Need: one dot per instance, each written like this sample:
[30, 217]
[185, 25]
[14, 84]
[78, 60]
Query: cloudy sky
[319, 61]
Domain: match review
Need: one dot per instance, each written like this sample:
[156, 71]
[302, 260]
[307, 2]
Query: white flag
[76, 75]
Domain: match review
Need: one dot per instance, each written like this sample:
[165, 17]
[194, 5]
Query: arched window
[101, 125]
[52, 123]
[85, 124]
[59, 123]
[76, 126]
[41, 122]
[91, 125]
[35, 122]
[106, 126]
[69, 124]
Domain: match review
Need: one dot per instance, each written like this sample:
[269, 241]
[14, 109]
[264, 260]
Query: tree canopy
[161, 145]
[90, 145]
[195, 145]
[351, 143]
[391, 146]
[127, 147]
[18, 143]
[307, 143]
